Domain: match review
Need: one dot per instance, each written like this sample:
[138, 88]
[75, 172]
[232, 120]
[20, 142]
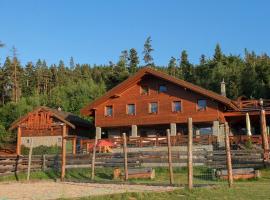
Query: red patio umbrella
[104, 143]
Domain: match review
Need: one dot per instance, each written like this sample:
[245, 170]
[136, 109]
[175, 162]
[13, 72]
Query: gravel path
[53, 190]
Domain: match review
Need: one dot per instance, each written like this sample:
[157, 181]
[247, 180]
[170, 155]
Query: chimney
[223, 88]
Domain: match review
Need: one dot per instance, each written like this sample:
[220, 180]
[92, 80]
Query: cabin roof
[87, 110]
[68, 118]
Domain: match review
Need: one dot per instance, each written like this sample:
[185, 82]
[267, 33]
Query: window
[176, 106]
[108, 111]
[144, 90]
[162, 88]
[131, 109]
[201, 104]
[153, 107]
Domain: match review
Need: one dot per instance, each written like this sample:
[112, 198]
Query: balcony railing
[252, 104]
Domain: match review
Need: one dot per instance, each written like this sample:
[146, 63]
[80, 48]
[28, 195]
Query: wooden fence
[242, 139]
[213, 159]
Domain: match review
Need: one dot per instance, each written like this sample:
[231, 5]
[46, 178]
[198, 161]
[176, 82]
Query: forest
[72, 85]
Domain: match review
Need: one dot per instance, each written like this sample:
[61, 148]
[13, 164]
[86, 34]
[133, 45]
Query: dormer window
[162, 88]
[144, 90]
[108, 111]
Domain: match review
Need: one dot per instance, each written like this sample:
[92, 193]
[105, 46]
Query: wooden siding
[165, 115]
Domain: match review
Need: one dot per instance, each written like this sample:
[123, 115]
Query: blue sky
[97, 31]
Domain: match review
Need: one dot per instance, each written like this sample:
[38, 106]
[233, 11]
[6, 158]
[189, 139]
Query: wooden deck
[179, 140]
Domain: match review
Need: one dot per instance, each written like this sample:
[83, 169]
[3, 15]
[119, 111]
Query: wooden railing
[252, 104]
[178, 140]
[243, 139]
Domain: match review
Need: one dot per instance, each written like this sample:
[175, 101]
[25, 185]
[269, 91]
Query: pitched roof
[70, 119]
[148, 70]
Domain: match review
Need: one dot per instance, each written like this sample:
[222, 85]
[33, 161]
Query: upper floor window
[153, 107]
[176, 106]
[108, 111]
[201, 105]
[162, 88]
[144, 90]
[131, 109]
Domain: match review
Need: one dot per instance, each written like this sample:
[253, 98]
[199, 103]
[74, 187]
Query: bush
[40, 150]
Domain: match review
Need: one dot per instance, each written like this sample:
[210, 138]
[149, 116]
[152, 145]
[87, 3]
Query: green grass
[242, 189]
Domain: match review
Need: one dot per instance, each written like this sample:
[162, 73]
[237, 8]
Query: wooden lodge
[148, 103]
[46, 126]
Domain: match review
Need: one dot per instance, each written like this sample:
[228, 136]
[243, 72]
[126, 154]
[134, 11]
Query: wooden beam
[189, 154]
[125, 155]
[29, 159]
[264, 135]
[19, 140]
[63, 168]
[74, 145]
[170, 156]
[228, 155]
[93, 159]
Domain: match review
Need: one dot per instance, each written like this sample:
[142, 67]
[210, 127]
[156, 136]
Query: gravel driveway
[44, 190]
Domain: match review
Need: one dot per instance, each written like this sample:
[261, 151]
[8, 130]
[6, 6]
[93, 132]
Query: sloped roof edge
[148, 70]
[57, 114]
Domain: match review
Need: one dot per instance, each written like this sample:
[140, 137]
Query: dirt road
[53, 190]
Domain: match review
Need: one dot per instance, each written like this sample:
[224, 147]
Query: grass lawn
[243, 189]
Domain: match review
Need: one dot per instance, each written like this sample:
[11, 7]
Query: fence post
[228, 155]
[265, 143]
[63, 168]
[190, 163]
[125, 155]
[94, 159]
[29, 159]
[44, 162]
[170, 156]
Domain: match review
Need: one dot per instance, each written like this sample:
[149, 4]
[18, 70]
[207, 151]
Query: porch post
[173, 129]
[19, 140]
[98, 132]
[219, 133]
[134, 131]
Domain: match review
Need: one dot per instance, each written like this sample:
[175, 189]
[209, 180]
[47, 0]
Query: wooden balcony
[246, 105]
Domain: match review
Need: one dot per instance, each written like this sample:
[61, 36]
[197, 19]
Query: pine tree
[202, 60]
[218, 54]
[172, 67]
[148, 59]
[133, 61]
[71, 63]
[16, 91]
[186, 67]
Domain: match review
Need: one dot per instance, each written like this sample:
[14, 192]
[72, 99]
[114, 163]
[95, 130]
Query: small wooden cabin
[46, 126]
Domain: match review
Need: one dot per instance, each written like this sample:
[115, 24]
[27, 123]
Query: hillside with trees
[71, 86]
